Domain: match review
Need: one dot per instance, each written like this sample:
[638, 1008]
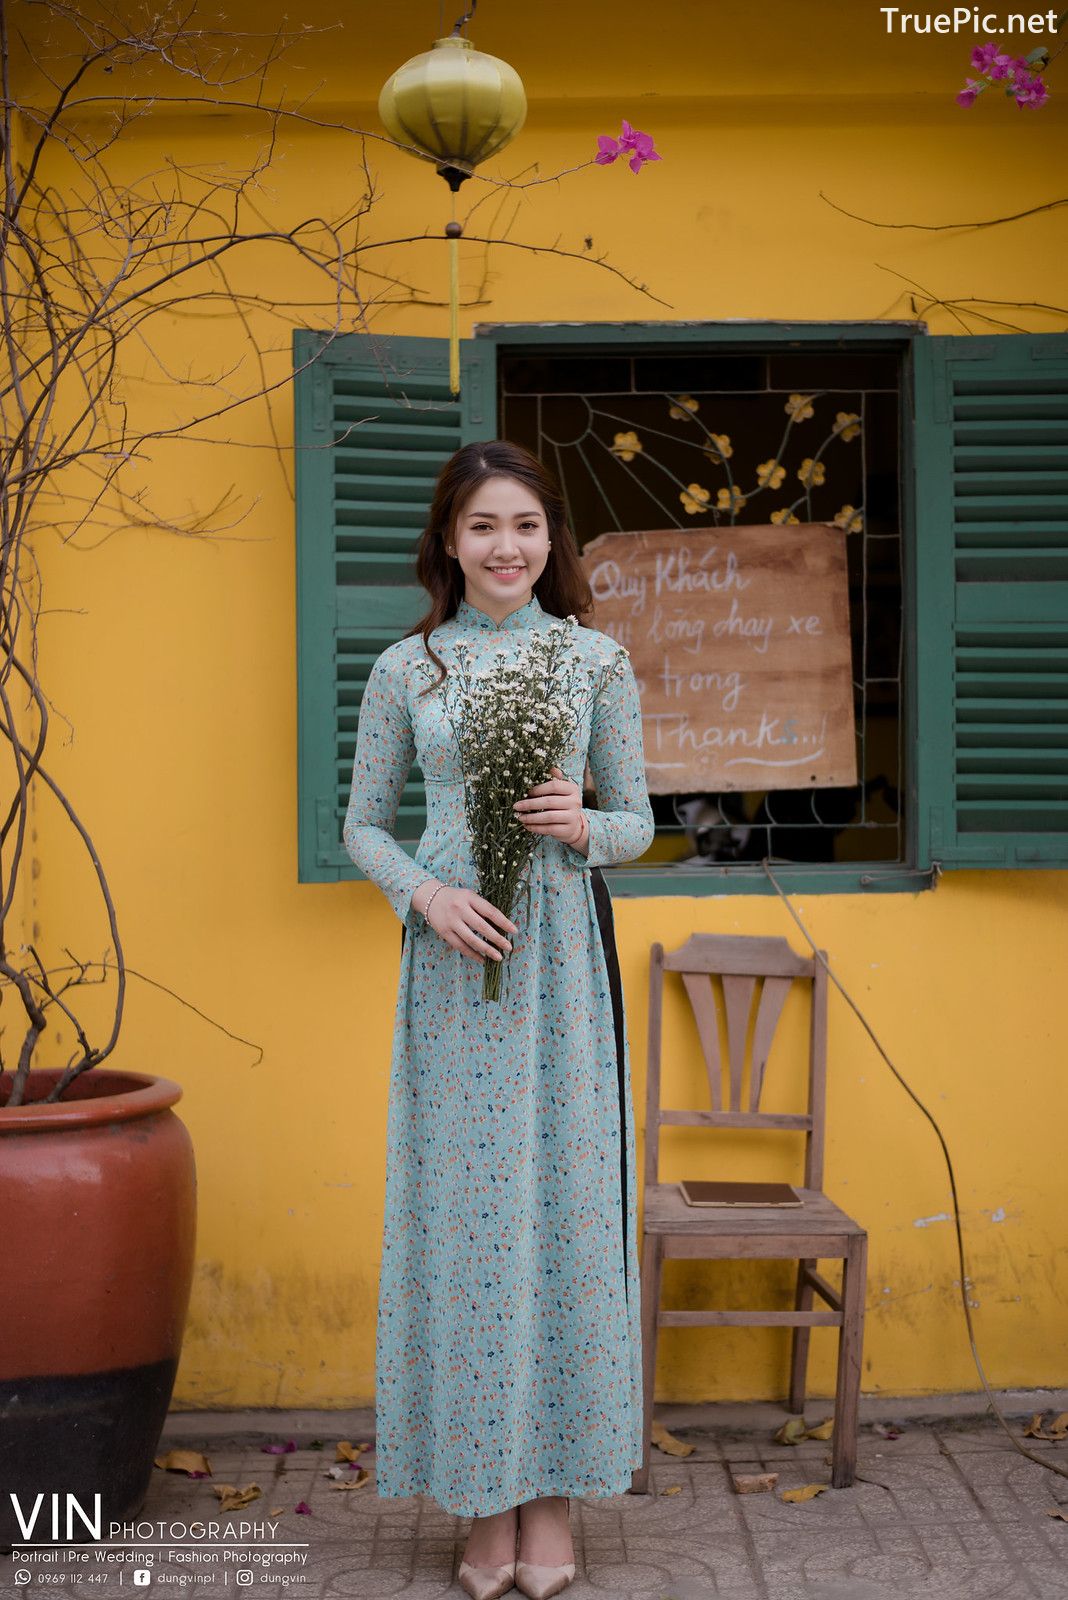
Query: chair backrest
[741, 962]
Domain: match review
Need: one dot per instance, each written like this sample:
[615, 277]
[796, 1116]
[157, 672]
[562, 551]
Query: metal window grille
[622, 433]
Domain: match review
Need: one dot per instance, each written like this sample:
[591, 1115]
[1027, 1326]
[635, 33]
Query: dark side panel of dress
[508, 1355]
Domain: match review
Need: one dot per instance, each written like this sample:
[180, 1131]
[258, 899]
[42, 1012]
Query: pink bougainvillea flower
[303, 1509]
[1025, 87]
[1030, 92]
[987, 58]
[278, 1449]
[639, 144]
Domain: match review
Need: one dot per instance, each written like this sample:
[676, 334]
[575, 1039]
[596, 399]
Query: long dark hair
[562, 589]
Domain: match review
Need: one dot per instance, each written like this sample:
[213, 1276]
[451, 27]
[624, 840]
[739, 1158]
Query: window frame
[928, 596]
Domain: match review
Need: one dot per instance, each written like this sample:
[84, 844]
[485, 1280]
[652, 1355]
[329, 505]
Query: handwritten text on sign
[739, 639]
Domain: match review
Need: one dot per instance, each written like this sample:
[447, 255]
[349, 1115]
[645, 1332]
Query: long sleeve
[622, 827]
[385, 750]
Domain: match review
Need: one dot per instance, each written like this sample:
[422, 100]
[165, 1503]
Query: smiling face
[502, 526]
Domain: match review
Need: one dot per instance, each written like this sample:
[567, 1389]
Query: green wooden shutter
[374, 424]
[991, 600]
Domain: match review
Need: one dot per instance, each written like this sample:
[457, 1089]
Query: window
[958, 565]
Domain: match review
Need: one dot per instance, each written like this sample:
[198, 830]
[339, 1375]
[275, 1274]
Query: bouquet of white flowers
[513, 722]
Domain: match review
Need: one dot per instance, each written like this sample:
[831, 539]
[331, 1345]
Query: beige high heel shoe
[538, 1581]
[488, 1583]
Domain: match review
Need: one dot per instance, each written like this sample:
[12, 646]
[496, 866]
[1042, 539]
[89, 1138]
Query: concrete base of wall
[736, 1416]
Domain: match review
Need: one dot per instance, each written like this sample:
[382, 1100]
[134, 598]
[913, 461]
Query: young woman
[508, 1358]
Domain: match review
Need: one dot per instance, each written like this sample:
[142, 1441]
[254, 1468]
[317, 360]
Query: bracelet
[426, 908]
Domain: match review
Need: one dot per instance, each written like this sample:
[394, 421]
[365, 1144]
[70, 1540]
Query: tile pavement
[949, 1510]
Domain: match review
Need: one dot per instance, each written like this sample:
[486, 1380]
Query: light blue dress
[508, 1354]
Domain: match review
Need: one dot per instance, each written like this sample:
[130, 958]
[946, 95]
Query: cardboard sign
[739, 639]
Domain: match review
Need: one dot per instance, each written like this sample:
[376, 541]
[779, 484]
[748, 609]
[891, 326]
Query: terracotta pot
[97, 1232]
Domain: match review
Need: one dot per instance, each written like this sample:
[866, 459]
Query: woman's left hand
[555, 808]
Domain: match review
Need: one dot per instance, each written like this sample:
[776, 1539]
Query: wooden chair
[817, 1230]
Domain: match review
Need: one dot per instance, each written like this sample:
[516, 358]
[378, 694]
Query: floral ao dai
[508, 1347]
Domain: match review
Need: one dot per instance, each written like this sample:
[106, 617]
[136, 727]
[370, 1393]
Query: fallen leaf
[190, 1461]
[232, 1499]
[675, 1488]
[348, 1452]
[1061, 1514]
[807, 1491]
[276, 1511]
[887, 1430]
[822, 1430]
[792, 1431]
[1058, 1428]
[668, 1443]
[754, 1482]
[1034, 1427]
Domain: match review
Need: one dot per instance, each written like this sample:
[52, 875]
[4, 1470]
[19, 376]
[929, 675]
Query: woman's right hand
[471, 924]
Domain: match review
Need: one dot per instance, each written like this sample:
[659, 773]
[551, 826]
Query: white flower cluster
[514, 719]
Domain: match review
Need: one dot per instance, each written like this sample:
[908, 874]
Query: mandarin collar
[525, 617]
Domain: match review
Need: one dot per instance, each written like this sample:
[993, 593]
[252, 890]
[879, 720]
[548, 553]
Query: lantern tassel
[454, 316]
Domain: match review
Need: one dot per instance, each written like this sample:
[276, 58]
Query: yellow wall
[171, 655]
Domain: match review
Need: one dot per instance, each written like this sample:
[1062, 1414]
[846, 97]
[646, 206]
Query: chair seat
[817, 1217]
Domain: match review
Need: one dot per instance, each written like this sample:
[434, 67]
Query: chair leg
[850, 1355]
[651, 1269]
[803, 1296]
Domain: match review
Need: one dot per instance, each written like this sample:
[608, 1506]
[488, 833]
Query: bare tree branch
[941, 227]
[96, 269]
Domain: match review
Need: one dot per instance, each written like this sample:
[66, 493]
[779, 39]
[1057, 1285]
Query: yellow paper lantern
[455, 106]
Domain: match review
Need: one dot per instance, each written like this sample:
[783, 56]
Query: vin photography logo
[60, 1529]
